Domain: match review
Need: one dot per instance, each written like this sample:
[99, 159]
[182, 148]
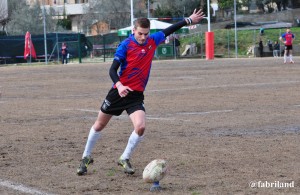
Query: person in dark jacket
[261, 48]
[64, 53]
[276, 49]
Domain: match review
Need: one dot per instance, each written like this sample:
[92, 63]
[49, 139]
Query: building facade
[75, 9]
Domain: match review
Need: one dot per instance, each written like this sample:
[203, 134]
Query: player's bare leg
[138, 121]
[291, 56]
[285, 56]
[94, 136]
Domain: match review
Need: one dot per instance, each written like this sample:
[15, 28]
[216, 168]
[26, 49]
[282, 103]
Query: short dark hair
[142, 22]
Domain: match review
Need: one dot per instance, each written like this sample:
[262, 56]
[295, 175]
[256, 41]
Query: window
[81, 1]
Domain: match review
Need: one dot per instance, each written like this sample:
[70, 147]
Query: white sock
[91, 141]
[291, 58]
[284, 58]
[133, 141]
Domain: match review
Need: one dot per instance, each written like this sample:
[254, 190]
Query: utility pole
[131, 12]
[209, 37]
[148, 9]
[45, 36]
[235, 32]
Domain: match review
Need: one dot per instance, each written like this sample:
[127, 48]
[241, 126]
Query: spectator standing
[270, 45]
[89, 51]
[64, 53]
[260, 48]
[177, 44]
[261, 31]
[276, 49]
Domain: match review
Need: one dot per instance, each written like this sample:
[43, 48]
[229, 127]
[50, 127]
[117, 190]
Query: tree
[162, 11]
[228, 4]
[3, 14]
[65, 23]
[281, 4]
[260, 5]
[114, 13]
[177, 8]
[23, 18]
[246, 3]
[225, 6]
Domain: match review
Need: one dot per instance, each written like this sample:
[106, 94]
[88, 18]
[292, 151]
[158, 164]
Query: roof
[155, 25]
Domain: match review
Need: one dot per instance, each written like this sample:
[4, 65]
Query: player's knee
[98, 125]
[140, 129]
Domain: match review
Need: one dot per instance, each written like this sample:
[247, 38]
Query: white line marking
[83, 110]
[152, 117]
[297, 105]
[121, 116]
[86, 110]
[225, 86]
[20, 187]
[176, 78]
[188, 77]
[203, 113]
[159, 118]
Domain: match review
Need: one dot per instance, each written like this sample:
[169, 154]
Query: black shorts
[114, 104]
[288, 47]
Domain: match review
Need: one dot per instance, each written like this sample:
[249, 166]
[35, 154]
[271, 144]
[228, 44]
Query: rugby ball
[155, 171]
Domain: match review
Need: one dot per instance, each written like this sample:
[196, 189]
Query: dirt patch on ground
[220, 124]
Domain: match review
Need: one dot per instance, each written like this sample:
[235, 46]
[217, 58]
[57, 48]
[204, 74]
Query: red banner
[29, 48]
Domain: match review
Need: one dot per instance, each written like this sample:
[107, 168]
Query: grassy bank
[225, 40]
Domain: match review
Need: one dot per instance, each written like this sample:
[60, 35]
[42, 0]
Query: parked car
[238, 24]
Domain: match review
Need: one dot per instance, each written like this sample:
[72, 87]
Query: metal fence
[101, 48]
[12, 47]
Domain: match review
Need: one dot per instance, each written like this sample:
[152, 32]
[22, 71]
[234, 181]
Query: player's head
[288, 30]
[141, 30]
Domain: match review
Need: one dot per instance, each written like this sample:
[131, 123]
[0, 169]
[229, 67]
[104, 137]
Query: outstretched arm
[195, 18]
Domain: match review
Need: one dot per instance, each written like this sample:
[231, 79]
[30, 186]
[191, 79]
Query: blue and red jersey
[136, 60]
[288, 37]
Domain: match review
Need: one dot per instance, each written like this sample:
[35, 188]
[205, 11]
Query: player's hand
[197, 16]
[123, 90]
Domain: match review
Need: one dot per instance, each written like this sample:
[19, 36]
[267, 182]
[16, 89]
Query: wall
[284, 16]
